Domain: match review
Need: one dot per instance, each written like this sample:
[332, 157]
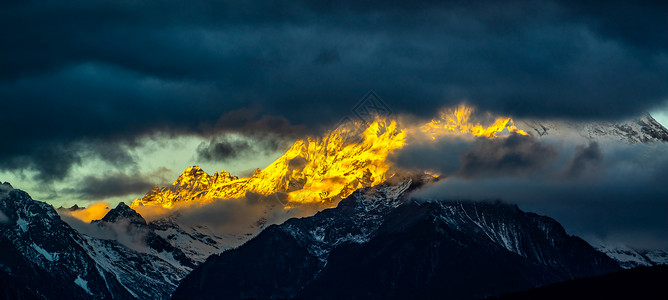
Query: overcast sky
[103, 99]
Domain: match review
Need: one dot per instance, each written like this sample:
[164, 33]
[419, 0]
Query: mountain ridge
[314, 170]
[644, 129]
[376, 215]
[52, 260]
[47, 255]
[313, 257]
[346, 159]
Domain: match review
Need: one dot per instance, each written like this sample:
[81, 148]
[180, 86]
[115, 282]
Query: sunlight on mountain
[319, 170]
[93, 212]
[459, 120]
[322, 170]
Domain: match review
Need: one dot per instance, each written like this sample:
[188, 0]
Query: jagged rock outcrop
[315, 170]
[48, 257]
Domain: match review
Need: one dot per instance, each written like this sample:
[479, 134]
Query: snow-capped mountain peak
[123, 212]
[47, 255]
[630, 257]
[314, 170]
[644, 129]
[380, 243]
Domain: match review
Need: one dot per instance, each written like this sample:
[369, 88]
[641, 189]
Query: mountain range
[380, 244]
[640, 130]
[381, 227]
[366, 238]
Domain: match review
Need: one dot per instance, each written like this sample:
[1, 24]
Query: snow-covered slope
[196, 242]
[120, 257]
[143, 275]
[641, 130]
[379, 243]
[136, 254]
[629, 257]
[46, 255]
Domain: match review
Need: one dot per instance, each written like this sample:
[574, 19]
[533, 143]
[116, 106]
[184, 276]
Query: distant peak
[123, 212]
[190, 174]
[75, 208]
[193, 169]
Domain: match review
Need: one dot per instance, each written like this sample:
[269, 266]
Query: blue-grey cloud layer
[615, 193]
[77, 73]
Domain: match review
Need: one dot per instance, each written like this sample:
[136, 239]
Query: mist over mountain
[603, 177]
[366, 201]
[216, 149]
[602, 180]
[378, 244]
[49, 258]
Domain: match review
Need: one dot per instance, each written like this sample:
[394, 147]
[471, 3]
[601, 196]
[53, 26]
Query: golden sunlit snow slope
[321, 170]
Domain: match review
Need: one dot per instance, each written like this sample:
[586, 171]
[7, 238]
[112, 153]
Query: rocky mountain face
[327, 169]
[198, 242]
[46, 256]
[12, 288]
[321, 170]
[137, 254]
[378, 243]
[118, 257]
[315, 170]
[192, 185]
[629, 257]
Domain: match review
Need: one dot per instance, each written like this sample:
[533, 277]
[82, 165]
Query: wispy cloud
[601, 192]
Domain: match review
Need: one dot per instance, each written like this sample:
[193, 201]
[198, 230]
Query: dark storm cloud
[74, 70]
[584, 157]
[327, 56]
[225, 148]
[51, 161]
[622, 198]
[440, 156]
[222, 150]
[116, 184]
[3, 218]
[512, 155]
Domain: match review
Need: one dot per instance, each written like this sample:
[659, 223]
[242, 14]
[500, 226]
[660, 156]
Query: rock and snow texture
[378, 243]
[629, 257]
[82, 284]
[138, 255]
[642, 130]
[117, 257]
[47, 256]
[42, 252]
[196, 242]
